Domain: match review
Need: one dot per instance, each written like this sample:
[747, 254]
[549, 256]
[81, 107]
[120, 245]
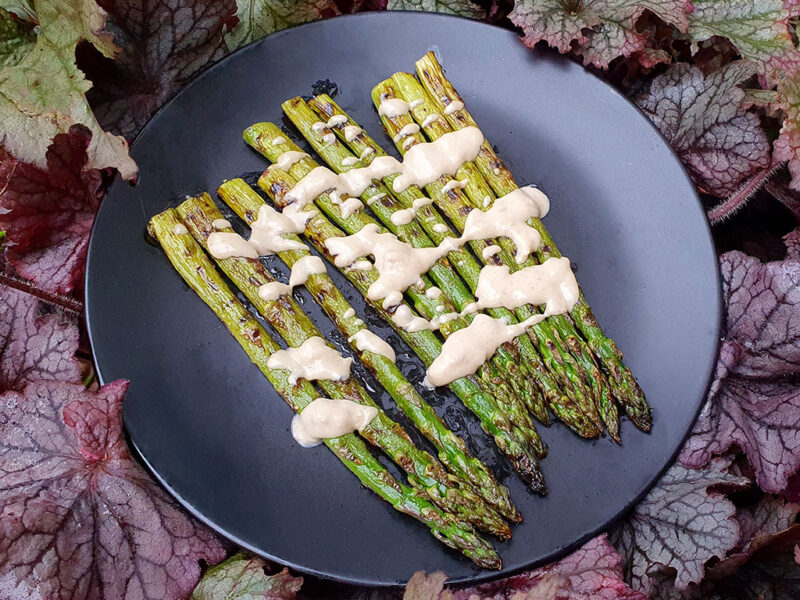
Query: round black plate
[213, 430]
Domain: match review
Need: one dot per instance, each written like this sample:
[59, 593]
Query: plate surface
[210, 426]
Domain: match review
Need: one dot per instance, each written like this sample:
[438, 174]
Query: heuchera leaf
[258, 18]
[465, 8]
[242, 577]
[787, 146]
[758, 29]
[602, 29]
[34, 346]
[754, 401]
[704, 120]
[164, 43]
[593, 572]
[32, 120]
[680, 525]
[16, 39]
[47, 213]
[80, 519]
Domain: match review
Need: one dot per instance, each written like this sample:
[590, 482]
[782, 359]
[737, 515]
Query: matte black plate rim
[483, 576]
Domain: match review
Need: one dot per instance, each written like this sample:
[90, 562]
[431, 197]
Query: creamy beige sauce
[304, 268]
[220, 224]
[366, 152]
[467, 349]
[324, 418]
[508, 217]
[403, 217]
[268, 229]
[433, 292]
[180, 229]
[430, 119]
[440, 228]
[487, 201]
[312, 360]
[551, 283]
[361, 265]
[490, 251]
[407, 321]
[366, 341]
[454, 184]
[278, 140]
[406, 131]
[353, 182]
[399, 265]
[289, 158]
[223, 244]
[351, 132]
[318, 126]
[375, 198]
[273, 290]
[349, 313]
[329, 138]
[351, 206]
[392, 107]
[337, 120]
[349, 161]
[392, 299]
[415, 103]
[453, 107]
[298, 215]
[427, 161]
[409, 142]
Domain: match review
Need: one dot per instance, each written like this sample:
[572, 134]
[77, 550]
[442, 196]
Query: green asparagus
[334, 153]
[438, 229]
[622, 381]
[286, 316]
[192, 264]
[276, 183]
[261, 137]
[426, 114]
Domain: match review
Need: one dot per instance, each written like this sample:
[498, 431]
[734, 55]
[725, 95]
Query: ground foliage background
[80, 519]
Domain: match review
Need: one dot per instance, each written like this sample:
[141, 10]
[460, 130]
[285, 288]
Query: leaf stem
[728, 207]
[72, 305]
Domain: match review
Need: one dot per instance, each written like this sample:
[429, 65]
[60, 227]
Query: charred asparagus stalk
[334, 153]
[262, 136]
[276, 183]
[622, 381]
[480, 194]
[438, 229]
[195, 268]
[285, 315]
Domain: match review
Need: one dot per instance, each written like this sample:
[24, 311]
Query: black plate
[210, 426]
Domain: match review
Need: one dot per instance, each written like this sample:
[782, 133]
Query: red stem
[739, 198]
[69, 304]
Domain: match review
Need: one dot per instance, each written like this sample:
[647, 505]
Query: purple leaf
[593, 572]
[602, 30]
[164, 43]
[754, 401]
[680, 525]
[47, 213]
[243, 578]
[703, 119]
[80, 519]
[787, 146]
[34, 346]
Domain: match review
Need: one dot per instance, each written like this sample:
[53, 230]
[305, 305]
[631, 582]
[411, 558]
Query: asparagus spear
[334, 153]
[438, 229]
[276, 183]
[623, 383]
[285, 315]
[192, 264]
[261, 137]
[478, 191]
[452, 450]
